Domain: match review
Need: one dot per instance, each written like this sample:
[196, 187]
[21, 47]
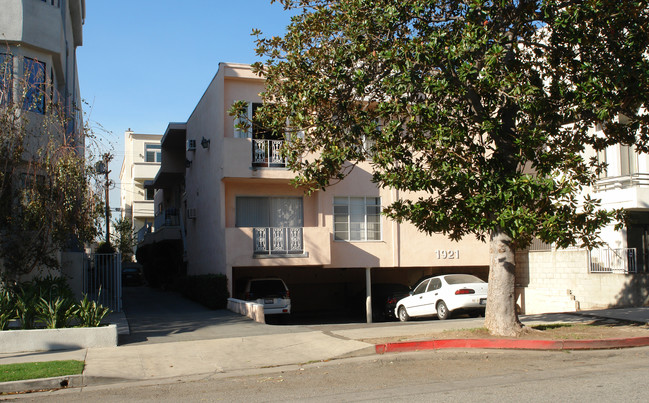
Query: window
[357, 218]
[421, 288]
[275, 212]
[6, 78]
[149, 194]
[153, 153]
[254, 130]
[34, 75]
[628, 160]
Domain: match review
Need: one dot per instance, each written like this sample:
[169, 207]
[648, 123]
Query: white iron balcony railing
[622, 182]
[278, 240]
[266, 153]
[607, 260]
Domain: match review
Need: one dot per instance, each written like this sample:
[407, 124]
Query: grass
[35, 370]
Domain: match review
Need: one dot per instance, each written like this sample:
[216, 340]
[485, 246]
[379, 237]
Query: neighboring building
[617, 274]
[142, 157]
[227, 207]
[38, 40]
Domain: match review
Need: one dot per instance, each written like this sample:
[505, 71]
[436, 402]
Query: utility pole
[102, 168]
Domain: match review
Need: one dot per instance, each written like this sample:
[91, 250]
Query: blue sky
[146, 63]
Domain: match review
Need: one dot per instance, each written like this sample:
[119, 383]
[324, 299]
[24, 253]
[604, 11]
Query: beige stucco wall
[221, 173]
[134, 172]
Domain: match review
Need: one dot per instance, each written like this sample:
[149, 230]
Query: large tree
[488, 107]
[47, 203]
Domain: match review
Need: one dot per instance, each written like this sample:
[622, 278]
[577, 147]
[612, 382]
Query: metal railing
[167, 218]
[621, 182]
[141, 233]
[266, 153]
[278, 240]
[607, 260]
[102, 280]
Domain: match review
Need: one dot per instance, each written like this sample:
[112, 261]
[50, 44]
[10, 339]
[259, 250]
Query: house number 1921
[447, 254]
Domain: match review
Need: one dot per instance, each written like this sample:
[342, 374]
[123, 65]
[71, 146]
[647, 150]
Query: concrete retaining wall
[250, 309]
[18, 341]
[559, 281]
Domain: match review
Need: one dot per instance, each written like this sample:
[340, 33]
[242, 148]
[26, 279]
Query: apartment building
[38, 42]
[142, 157]
[237, 213]
[613, 275]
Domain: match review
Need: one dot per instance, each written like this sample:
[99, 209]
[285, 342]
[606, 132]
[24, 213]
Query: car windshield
[462, 278]
[267, 287]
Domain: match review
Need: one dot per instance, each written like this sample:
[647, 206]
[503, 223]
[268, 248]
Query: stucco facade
[224, 170]
[142, 157]
[47, 33]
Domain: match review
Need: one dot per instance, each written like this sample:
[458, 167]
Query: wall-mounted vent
[191, 145]
[191, 213]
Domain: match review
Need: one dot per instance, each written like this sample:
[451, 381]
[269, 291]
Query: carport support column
[368, 299]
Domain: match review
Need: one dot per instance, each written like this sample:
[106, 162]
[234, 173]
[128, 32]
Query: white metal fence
[267, 153]
[103, 280]
[607, 260]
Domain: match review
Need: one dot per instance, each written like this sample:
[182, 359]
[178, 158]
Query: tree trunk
[501, 318]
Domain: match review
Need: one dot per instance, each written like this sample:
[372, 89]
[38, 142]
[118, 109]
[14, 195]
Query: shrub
[55, 313]
[7, 308]
[210, 290]
[90, 313]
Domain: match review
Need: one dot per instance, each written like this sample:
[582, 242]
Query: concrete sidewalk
[294, 345]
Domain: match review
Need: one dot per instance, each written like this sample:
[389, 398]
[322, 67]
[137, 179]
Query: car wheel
[403, 315]
[442, 311]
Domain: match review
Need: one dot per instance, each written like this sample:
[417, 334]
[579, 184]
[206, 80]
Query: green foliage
[55, 313]
[124, 237]
[485, 107]
[46, 199]
[7, 308]
[210, 290]
[90, 313]
[36, 370]
[105, 248]
[47, 302]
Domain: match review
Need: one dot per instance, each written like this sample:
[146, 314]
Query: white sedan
[443, 295]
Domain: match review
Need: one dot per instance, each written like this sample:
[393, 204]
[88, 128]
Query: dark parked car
[132, 274]
[384, 300]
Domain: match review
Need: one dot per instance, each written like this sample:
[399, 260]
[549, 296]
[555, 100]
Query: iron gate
[103, 280]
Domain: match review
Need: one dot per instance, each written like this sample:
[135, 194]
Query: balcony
[630, 191]
[269, 241]
[254, 159]
[266, 153]
[306, 246]
[166, 226]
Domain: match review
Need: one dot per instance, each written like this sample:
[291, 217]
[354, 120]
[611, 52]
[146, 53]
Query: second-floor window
[270, 212]
[149, 194]
[357, 218]
[153, 153]
[34, 76]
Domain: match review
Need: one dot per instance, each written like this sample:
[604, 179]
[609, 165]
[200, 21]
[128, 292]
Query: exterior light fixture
[205, 143]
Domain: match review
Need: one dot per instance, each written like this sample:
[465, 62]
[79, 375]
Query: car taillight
[392, 300]
[465, 291]
[288, 294]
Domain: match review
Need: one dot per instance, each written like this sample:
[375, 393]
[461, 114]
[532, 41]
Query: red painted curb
[512, 344]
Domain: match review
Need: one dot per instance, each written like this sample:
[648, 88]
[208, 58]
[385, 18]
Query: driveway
[157, 316]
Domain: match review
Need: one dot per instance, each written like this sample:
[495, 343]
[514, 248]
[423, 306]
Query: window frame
[35, 93]
[157, 150]
[364, 227]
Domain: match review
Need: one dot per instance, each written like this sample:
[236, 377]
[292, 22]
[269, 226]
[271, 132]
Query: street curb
[34, 385]
[512, 344]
